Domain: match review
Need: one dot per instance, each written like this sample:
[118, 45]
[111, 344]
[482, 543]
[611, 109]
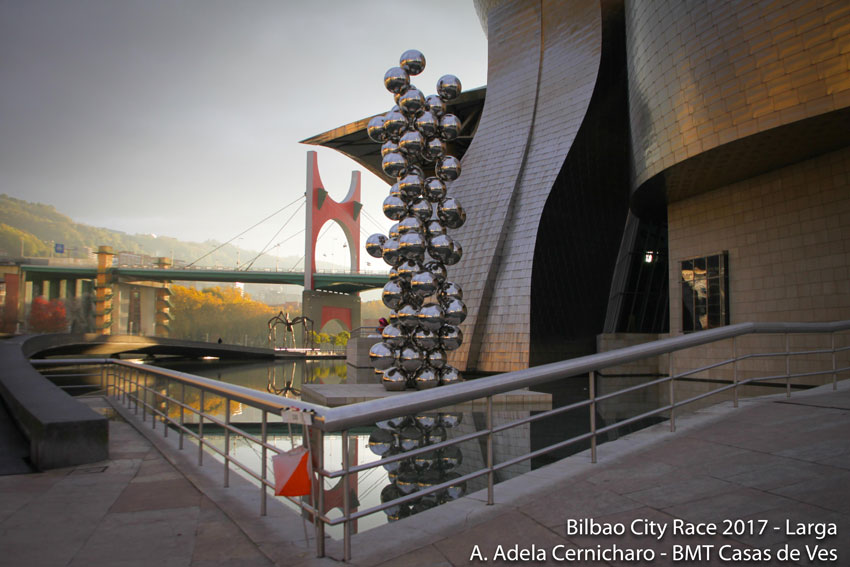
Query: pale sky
[182, 117]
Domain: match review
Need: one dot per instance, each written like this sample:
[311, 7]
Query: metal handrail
[341, 419]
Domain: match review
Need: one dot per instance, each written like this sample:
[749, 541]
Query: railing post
[263, 461]
[135, 396]
[490, 474]
[787, 365]
[592, 386]
[165, 411]
[735, 371]
[201, 430]
[346, 499]
[182, 415]
[227, 442]
[142, 390]
[672, 394]
[319, 448]
[834, 367]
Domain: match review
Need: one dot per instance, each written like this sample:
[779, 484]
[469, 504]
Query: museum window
[705, 297]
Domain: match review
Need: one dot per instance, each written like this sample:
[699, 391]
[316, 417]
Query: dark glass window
[705, 296]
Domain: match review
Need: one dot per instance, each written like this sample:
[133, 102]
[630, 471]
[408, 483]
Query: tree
[47, 316]
[341, 339]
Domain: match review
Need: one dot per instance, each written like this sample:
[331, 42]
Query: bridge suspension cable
[217, 248]
[266, 247]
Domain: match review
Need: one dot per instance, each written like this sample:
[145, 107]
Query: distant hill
[35, 226]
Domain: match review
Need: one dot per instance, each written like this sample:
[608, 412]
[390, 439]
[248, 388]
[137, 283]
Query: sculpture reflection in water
[426, 308]
[422, 471]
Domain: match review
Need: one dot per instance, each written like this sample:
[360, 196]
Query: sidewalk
[771, 460]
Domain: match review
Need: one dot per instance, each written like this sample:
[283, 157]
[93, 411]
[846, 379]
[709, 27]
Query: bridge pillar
[103, 292]
[322, 209]
[321, 307]
[162, 318]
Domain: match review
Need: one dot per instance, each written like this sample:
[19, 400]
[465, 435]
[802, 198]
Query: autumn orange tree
[219, 312]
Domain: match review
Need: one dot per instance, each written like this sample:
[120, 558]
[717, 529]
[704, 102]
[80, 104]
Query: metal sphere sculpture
[422, 471]
[426, 307]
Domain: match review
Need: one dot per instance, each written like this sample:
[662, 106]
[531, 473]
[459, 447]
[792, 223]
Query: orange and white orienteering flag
[291, 472]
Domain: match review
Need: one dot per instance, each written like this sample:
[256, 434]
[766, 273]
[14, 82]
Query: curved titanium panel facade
[723, 90]
[543, 70]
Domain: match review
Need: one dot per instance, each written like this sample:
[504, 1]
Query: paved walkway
[772, 460]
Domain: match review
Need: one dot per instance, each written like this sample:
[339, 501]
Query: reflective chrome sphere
[427, 124]
[412, 299]
[394, 336]
[395, 123]
[392, 294]
[431, 317]
[448, 168]
[456, 255]
[412, 246]
[409, 438]
[434, 190]
[426, 378]
[438, 269]
[394, 233]
[406, 270]
[410, 185]
[427, 420]
[448, 87]
[412, 61]
[425, 462]
[449, 291]
[410, 359]
[434, 228]
[450, 212]
[440, 247]
[411, 142]
[394, 380]
[390, 252]
[408, 482]
[449, 127]
[394, 208]
[451, 419]
[435, 149]
[375, 245]
[449, 375]
[450, 337]
[388, 146]
[410, 224]
[436, 358]
[381, 441]
[424, 284]
[455, 491]
[394, 190]
[382, 356]
[437, 434]
[451, 457]
[394, 164]
[421, 208]
[455, 312]
[407, 316]
[435, 105]
[426, 339]
[412, 102]
[393, 317]
[396, 79]
[375, 129]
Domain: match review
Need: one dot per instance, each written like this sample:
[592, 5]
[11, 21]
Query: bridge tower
[320, 306]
